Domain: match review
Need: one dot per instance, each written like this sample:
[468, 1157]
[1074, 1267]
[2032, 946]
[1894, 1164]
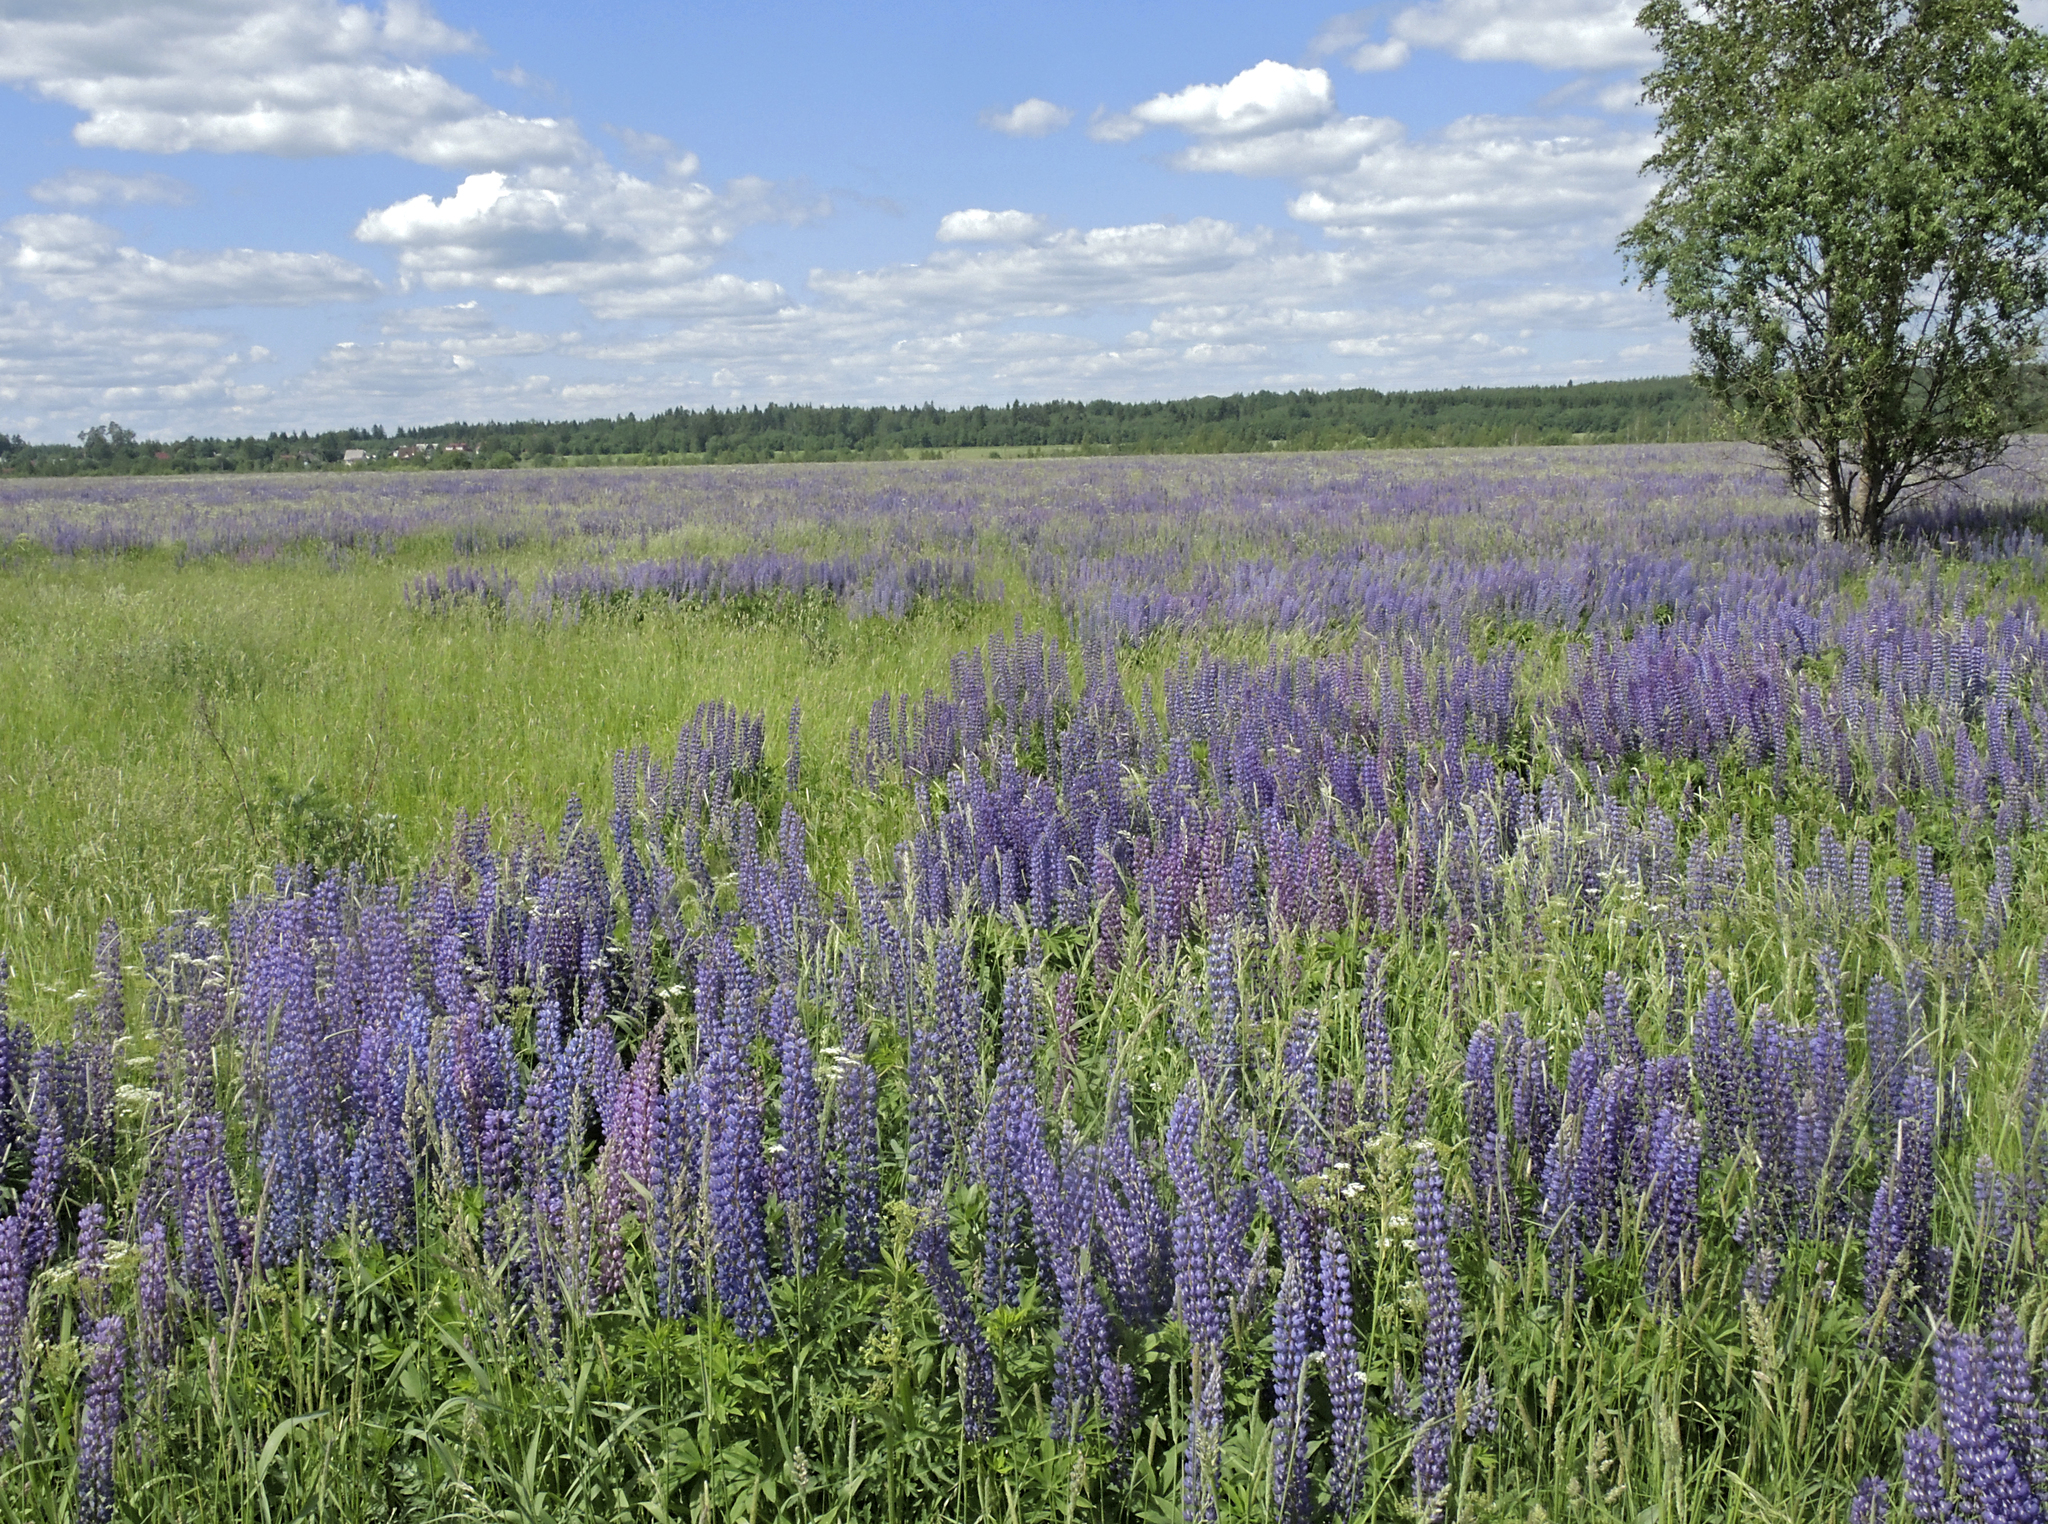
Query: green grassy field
[171, 731]
[1328, 1033]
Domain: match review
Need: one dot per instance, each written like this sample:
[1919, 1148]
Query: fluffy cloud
[581, 231]
[1330, 148]
[456, 317]
[57, 372]
[1267, 97]
[1552, 34]
[1031, 118]
[75, 259]
[711, 293]
[975, 225]
[424, 380]
[291, 77]
[1071, 271]
[98, 187]
[1487, 193]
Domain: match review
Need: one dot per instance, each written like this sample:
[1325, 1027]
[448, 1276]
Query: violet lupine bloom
[1443, 1337]
[1870, 1505]
[1535, 1102]
[1345, 1380]
[1292, 1496]
[1216, 1059]
[1986, 1470]
[931, 1131]
[677, 1166]
[626, 1164]
[1890, 1035]
[1119, 1385]
[1925, 1486]
[1134, 1228]
[15, 1274]
[854, 1131]
[212, 1246]
[2019, 1407]
[499, 1165]
[1898, 1252]
[737, 1174]
[38, 1204]
[1078, 1361]
[1489, 1158]
[800, 1167]
[1671, 1206]
[932, 1250]
[106, 1372]
[153, 1295]
[92, 1258]
[94, 1036]
[1199, 1229]
[1720, 1056]
[1010, 1157]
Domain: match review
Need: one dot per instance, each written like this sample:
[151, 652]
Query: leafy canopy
[1851, 223]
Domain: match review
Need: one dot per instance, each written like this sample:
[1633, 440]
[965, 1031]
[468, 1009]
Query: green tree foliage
[1852, 222]
[1666, 409]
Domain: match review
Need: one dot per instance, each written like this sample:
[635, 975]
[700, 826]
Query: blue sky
[229, 216]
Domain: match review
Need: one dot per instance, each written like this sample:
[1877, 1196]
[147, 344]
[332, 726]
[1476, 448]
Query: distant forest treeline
[1601, 412]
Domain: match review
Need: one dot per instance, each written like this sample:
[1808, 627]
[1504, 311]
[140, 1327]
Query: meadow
[1447, 985]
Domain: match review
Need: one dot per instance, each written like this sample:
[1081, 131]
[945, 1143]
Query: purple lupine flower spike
[1443, 1338]
[1986, 1469]
[800, 1166]
[1198, 1227]
[2020, 1417]
[1346, 1381]
[15, 1274]
[106, 1372]
[931, 1248]
[92, 1257]
[1119, 1404]
[1925, 1485]
[1292, 1495]
[1671, 1211]
[153, 1295]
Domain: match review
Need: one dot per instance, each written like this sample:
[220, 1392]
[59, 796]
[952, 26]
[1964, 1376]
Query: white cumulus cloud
[977, 225]
[1497, 192]
[99, 187]
[74, 259]
[1329, 148]
[1552, 34]
[1069, 271]
[291, 77]
[1033, 118]
[586, 230]
[1267, 97]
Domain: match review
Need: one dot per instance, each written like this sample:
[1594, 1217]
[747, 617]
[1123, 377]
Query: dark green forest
[1669, 408]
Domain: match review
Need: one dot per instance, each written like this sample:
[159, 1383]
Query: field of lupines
[1459, 986]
